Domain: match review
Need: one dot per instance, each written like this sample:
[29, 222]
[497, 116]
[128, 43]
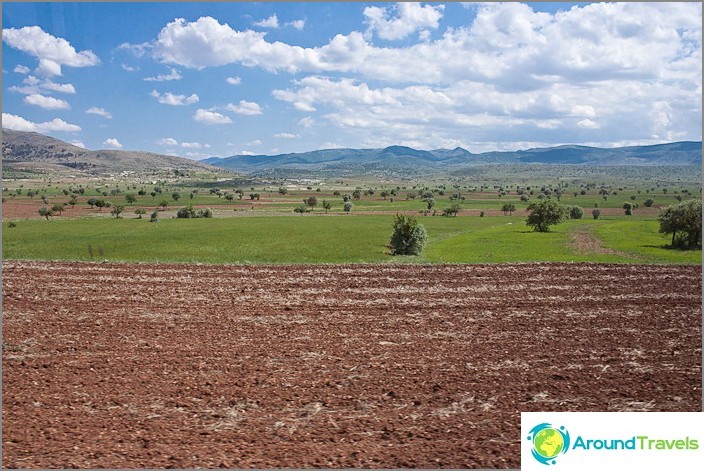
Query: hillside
[33, 153]
[399, 160]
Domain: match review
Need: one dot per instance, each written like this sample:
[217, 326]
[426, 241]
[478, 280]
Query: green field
[316, 238]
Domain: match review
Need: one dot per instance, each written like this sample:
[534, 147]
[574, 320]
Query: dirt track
[125, 365]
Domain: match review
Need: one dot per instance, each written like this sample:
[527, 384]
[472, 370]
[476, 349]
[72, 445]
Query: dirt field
[133, 366]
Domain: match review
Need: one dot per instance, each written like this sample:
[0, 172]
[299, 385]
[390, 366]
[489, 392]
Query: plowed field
[136, 365]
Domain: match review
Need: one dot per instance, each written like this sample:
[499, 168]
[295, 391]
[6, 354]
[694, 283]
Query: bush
[139, 212]
[648, 203]
[116, 210]
[348, 206]
[452, 210]
[545, 214]
[12, 224]
[302, 208]
[576, 212]
[188, 212]
[409, 236]
[628, 208]
[154, 217]
[596, 213]
[684, 219]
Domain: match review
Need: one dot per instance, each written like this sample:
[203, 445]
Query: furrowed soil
[151, 366]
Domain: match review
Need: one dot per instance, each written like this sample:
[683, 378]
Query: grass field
[338, 239]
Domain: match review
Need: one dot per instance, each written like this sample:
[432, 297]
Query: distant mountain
[37, 153]
[399, 160]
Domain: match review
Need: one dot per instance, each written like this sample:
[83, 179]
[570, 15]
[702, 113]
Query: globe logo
[548, 442]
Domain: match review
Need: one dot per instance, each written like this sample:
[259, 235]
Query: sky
[199, 80]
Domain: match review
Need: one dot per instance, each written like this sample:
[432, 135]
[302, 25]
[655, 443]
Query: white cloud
[99, 112]
[191, 145]
[410, 17]
[58, 87]
[233, 80]
[112, 142]
[285, 135]
[174, 100]
[588, 124]
[255, 142]
[306, 122]
[298, 24]
[18, 123]
[78, 144]
[52, 52]
[271, 22]
[210, 117]
[46, 102]
[167, 141]
[172, 75]
[21, 69]
[130, 68]
[245, 107]
[246, 152]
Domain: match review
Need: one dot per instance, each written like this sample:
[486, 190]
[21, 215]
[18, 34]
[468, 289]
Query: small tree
[544, 214]
[684, 219]
[176, 195]
[356, 194]
[164, 204]
[348, 207]
[45, 212]
[430, 202]
[130, 198]
[100, 204]
[576, 212]
[301, 208]
[648, 203]
[117, 210]
[57, 208]
[327, 205]
[508, 208]
[452, 210]
[139, 212]
[92, 202]
[409, 236]
[628, 208]
[228, 196]
[596, 213]
[311, 201]
[283, 191]
[154, 217]
[73, 201]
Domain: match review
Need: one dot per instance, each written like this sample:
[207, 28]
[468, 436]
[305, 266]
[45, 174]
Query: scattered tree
[452, 210]
[130, 198]
[327, 205]
[596, 213]
[176, 195]
[348, 207]
[648, 203]
[684, 222]
[164, 204]
[544, 214]
[116, 210]
[45, 212]
[311, 201]
[409, 236]
[154, 217]
[628, 208]
[576, 212]
[57, 208]
[508, 208]
[139, 212]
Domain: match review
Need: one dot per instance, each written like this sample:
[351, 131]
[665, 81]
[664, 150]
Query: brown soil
[150, 366]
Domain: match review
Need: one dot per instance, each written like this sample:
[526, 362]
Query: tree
[100, 204]
[228, 196]
[430, 202]
[283, 191]
[409, 236]
[45, 212]
[384, 194]
[346, 197]
[301, 208]
[628, 208]
[596, 213]
[92, 202]
[130, 198]
[154, 217]
[648, 203]
[508, 208]
[116, 210]
[356, 194]
[139, 212]
[348, 207]
[176, 195]
[164, 204]
[684, 219]
[452, 210]
[544, 214]
[326, 205]
[73, 201]
[311, 201]
[576, 212]
[57, 208]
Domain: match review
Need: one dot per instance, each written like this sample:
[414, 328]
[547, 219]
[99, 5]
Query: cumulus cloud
[271, 22]
[18, 123]
[52, 52]
[174, 100]
[130, 68]
[167, 141]
[233, 80]
[99, 112]
[113, 143]
[58, 87]
[21, 69]
[409, 18]
[306, 122]
[34, 85]
[255, 142]
[210, 117]
[245, 107]
[588, 124]
[298, 24]
[46, 102]
[285, 135]
[172, 75]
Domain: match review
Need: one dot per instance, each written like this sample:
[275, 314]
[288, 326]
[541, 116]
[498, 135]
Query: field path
[337, 366]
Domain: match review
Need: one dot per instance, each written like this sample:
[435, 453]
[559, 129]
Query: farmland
[153, 365]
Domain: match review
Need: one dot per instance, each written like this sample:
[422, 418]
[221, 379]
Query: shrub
[327, 205]
[45, 212]
[648, 203]
[508, 208]
[576, 212]
[596, 213]
[116, 210]
[409, 236]
[348, 206]
[139, 212]
[301, 208]
[452, 210]
[12, 224]
[628, 208]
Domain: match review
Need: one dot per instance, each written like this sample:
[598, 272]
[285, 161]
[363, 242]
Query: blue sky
[219, 79]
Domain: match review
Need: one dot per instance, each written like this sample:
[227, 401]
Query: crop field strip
[139, 365]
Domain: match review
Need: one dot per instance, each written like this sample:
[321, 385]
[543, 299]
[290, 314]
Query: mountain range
[403, 160]
[37, 153]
